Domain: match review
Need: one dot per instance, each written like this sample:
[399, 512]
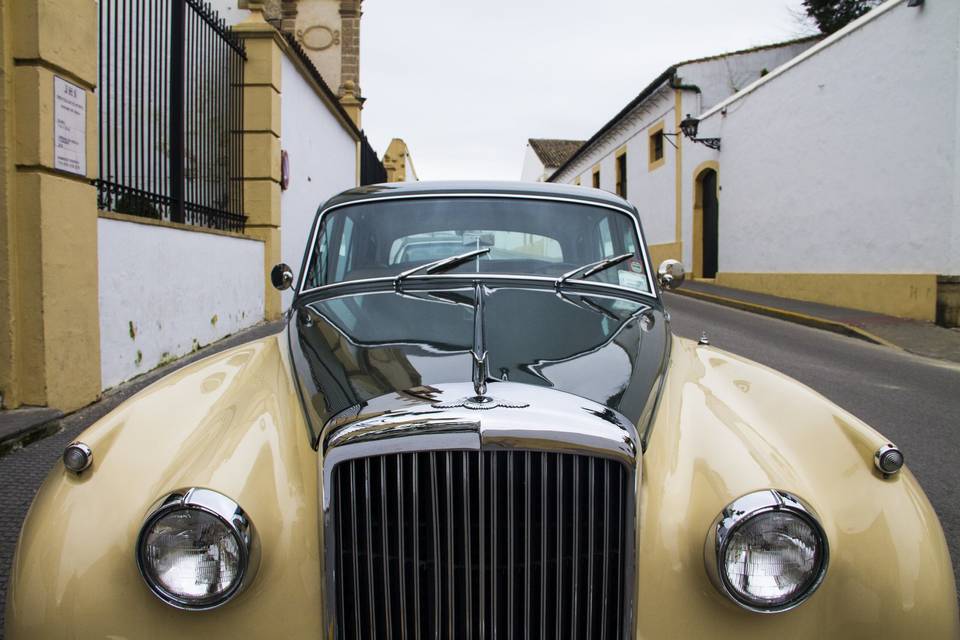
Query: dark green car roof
[483, 187]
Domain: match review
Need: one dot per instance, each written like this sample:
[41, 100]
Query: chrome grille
[480, 544]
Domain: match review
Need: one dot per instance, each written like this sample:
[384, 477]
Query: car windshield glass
[383, 238]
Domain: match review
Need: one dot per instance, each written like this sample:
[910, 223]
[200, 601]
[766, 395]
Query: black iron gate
[171, 109]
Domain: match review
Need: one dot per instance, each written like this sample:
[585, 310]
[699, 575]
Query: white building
[543, 156]
[838, 176]
[634, 154]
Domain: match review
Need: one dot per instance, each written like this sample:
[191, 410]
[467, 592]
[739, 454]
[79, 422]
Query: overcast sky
[466, 82]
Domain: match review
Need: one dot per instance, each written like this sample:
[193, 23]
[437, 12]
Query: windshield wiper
[592, 268]
[438, 265]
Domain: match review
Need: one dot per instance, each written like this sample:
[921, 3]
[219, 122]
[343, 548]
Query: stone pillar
[49, 310]
[349, 90]
[288, 16]
[261, 144]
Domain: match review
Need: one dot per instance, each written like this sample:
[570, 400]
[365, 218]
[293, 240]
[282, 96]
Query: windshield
[383, 238]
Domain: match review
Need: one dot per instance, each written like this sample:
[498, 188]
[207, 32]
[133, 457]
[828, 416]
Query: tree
[831, 15]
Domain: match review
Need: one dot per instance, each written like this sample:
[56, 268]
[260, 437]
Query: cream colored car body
[725, 427]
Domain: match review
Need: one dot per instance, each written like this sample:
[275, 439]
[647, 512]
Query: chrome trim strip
[635, 217]
[231, 515]
[741, 511]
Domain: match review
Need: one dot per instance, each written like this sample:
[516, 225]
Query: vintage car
[506, 441]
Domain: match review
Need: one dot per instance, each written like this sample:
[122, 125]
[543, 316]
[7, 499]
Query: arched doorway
[706, 210]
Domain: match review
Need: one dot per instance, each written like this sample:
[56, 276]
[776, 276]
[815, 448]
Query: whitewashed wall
[533, 170]
[654, 192]
[720, 77]
[323, 162]
[846, 161]
[165, 291]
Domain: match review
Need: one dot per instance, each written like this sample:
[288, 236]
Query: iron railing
[372, 170]
[171, 108]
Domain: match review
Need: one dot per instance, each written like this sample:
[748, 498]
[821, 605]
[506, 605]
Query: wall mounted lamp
[690, 125]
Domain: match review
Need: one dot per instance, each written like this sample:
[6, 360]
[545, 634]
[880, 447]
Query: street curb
[790, 316]
[30, 434]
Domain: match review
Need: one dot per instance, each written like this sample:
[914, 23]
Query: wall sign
[69, 127]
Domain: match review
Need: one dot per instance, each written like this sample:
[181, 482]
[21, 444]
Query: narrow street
[914, 401]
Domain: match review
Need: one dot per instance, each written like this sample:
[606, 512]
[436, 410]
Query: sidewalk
[19, 427]
[922, 338]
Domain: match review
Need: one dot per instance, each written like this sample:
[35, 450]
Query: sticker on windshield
[632, 280]
[636, 267]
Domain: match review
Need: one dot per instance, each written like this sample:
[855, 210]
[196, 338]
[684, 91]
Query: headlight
[197, 549]
[767, 551]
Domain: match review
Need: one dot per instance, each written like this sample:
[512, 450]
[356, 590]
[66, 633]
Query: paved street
[912, 400]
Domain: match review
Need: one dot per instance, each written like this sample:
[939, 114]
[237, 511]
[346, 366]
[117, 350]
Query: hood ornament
[481, 367]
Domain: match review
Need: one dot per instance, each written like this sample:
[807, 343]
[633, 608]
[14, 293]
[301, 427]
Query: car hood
[353, 348]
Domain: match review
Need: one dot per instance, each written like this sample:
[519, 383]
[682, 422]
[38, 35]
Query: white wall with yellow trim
[655, 187]
[845, 162]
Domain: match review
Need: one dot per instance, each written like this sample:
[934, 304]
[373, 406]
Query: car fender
[232, 423]
[727, 426]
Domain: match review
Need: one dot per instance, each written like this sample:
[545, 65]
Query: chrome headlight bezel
[229, 513]
[737, 514]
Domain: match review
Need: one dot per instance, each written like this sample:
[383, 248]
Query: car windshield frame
[302, 290]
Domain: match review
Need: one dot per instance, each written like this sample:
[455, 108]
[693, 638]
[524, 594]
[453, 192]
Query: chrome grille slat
[368, 522]
[468, 547]
[606, 549]
[498, 544]
[401, 555]
[527, 523]
[511, 532]
[544, 499]
[574, 582]
[590, 547]
[451, 533]
[437, 567]
[560, 521]
[414, 522]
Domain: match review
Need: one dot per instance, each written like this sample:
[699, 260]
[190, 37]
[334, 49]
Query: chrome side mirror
[281, 277]
[671, 274]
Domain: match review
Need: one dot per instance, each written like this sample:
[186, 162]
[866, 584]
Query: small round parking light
[77, 457]
[888, 459]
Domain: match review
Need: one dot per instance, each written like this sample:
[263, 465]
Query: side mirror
[671, 274]
[281, 277]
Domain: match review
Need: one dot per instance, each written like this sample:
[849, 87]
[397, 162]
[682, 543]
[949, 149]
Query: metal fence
[171, 109]
[371, 168]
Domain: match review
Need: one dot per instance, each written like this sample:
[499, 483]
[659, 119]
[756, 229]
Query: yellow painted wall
[667, 250]
[261, 145]
[911, 296]
[49, 311]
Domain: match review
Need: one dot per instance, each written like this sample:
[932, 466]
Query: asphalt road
[912, 400]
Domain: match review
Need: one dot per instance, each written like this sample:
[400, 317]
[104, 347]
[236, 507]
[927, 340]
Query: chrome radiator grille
[471, 544]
